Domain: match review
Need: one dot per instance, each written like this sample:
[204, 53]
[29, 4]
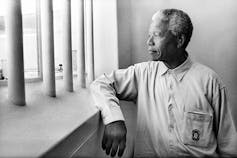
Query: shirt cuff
[112, 114]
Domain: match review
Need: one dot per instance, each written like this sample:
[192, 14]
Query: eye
[156, 34]
[149, 35]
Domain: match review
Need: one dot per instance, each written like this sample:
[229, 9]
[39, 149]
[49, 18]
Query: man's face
[161, 43]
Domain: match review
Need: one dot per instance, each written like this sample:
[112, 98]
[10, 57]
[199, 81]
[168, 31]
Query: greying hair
[179, 23]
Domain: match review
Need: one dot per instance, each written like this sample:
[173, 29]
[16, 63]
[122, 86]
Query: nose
[150, 41]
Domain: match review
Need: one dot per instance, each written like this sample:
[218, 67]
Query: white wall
[214, 38]
[105, 36]
[124, 33]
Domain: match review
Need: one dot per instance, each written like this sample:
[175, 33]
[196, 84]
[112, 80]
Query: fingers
[114, 148]
[104, 140]
[122, 147]
[108, 146]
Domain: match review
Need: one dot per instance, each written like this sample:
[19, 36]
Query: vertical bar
[81, 45]
[67, 46]
[39, 40]
[48, 47]
[89, 39]
[14, 48]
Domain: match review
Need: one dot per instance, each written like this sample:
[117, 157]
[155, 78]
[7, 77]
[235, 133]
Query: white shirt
[181, 111]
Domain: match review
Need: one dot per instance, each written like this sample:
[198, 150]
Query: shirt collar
[179, 71]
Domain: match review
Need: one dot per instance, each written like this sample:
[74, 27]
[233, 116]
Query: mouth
[153, 51]
[155, 54]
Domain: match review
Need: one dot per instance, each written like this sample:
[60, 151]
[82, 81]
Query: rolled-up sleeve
[226, 130]
[106, 91]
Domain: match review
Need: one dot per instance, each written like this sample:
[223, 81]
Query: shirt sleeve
[225, 127]
[108, 89]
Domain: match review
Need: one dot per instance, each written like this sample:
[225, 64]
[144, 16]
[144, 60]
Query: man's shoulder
[203, 70]
[205, 73]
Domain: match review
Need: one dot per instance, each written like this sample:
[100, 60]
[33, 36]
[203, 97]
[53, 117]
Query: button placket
[170, 109]
[170, 124]
[171, 86]
[170, 82]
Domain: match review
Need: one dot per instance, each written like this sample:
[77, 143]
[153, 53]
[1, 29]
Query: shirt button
[171, 86]
[170, 107]
[171, 143]
[171, 127]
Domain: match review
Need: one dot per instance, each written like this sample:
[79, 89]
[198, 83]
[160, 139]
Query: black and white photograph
[118, 78]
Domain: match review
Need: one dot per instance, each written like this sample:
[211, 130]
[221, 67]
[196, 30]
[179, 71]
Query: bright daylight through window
[31, 40]
[57, 12]
[31, 54]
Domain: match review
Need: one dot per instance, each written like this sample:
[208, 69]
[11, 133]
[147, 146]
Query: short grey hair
[179, 23]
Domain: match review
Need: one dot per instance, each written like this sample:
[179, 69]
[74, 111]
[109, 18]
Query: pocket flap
[199, 116]
[197, 128]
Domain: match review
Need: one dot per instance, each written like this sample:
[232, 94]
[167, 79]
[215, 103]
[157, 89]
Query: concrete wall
[112, 35]
[85, 140]
[92, 146]
[214, 38]
[105, 36]
[124, 33]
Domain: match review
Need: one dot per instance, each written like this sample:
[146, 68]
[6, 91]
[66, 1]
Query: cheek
[161, 45]
[171, 47]
[166, 46]
[158, 43]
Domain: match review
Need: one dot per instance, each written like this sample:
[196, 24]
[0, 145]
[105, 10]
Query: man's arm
[225, 127]
[106, 92]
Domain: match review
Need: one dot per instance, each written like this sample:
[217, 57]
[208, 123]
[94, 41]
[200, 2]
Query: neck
[177, 61]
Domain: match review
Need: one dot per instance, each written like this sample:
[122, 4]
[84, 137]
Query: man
[182, 105]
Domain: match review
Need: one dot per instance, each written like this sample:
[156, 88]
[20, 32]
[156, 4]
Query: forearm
[107, 90]
[104, 96]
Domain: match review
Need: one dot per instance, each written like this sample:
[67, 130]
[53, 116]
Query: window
[3, 55]
[31, 40]
[31, 53]
[57, 12]
[31, 60]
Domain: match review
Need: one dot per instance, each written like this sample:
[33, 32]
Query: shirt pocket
[197, 129]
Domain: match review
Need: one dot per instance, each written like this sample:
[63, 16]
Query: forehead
[158, 23]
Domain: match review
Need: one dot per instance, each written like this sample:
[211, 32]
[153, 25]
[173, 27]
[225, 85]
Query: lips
[152, 51]
[155, 54]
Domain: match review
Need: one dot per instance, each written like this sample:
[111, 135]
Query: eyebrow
[159, 33]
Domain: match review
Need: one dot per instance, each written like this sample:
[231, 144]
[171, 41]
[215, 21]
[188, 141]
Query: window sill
[33, 80]
[32, 130]
[30, 80]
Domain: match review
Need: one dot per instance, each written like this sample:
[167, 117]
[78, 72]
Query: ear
[180, 41]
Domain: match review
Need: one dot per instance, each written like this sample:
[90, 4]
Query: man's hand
[114, 138]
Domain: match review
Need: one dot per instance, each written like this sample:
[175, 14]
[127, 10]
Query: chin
[156, 58]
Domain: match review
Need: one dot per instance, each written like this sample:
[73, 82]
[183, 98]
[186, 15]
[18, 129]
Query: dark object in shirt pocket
[197, 129]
